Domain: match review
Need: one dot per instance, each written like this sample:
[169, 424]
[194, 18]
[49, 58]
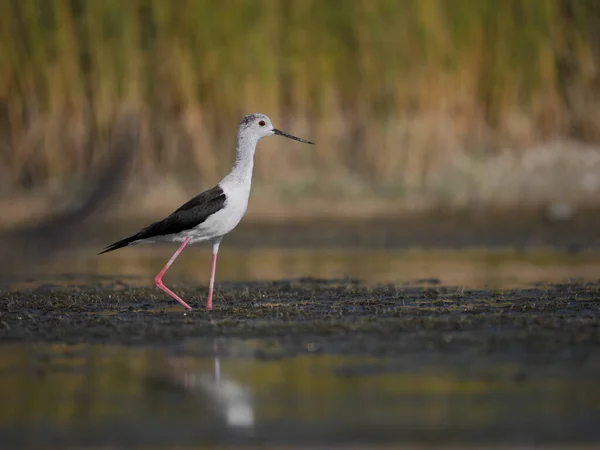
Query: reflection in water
[232, 399]
[107, 395]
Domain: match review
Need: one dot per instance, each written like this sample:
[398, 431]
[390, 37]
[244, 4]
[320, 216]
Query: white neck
[244, 160]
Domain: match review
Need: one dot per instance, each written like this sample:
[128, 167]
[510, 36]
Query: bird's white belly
[221, 222]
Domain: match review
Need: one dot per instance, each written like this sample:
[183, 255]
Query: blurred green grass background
[413, 104]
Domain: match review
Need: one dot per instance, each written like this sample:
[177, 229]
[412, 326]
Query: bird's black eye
[262, 123]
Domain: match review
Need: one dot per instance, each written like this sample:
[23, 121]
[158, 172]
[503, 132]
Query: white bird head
[259, 126]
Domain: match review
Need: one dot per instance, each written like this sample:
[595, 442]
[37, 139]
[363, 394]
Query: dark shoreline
[546, 317]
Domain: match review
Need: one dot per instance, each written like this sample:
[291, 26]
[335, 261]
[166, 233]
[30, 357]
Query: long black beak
[289, 136]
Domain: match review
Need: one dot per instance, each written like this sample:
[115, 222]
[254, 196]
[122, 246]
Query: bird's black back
[186, 217]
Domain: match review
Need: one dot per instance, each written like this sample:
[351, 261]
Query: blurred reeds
[441, 101]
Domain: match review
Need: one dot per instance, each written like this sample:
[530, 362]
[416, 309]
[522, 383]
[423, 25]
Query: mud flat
[340, 315]
[349, 316]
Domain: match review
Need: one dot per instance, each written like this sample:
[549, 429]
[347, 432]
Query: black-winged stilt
[212, 214]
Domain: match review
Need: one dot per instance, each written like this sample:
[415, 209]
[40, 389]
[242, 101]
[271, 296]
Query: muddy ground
[332, 316]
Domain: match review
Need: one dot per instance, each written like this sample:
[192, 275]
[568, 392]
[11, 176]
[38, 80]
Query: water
[253, 391]
[497, 269]
[222, 391]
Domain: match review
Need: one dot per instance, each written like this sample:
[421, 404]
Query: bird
[211, 215]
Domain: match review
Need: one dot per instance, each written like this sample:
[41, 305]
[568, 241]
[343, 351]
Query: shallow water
[498, 372]
[495, 269]
[209, 391]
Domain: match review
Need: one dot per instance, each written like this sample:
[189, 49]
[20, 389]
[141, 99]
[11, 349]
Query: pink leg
[158, 278]
[212, 275]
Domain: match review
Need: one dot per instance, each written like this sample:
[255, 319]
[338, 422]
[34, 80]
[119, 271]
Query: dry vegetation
[414, 102]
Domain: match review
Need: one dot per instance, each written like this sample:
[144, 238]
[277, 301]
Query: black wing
[186, 217]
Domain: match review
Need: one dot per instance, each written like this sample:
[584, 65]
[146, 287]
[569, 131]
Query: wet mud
[311, 315]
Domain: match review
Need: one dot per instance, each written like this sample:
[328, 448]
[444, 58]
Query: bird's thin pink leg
[158, 278]
[212, 275]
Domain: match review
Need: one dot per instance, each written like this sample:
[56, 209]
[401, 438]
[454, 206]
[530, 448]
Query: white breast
[226, 219]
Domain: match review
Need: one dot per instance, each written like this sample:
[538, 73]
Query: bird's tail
[120, 244]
